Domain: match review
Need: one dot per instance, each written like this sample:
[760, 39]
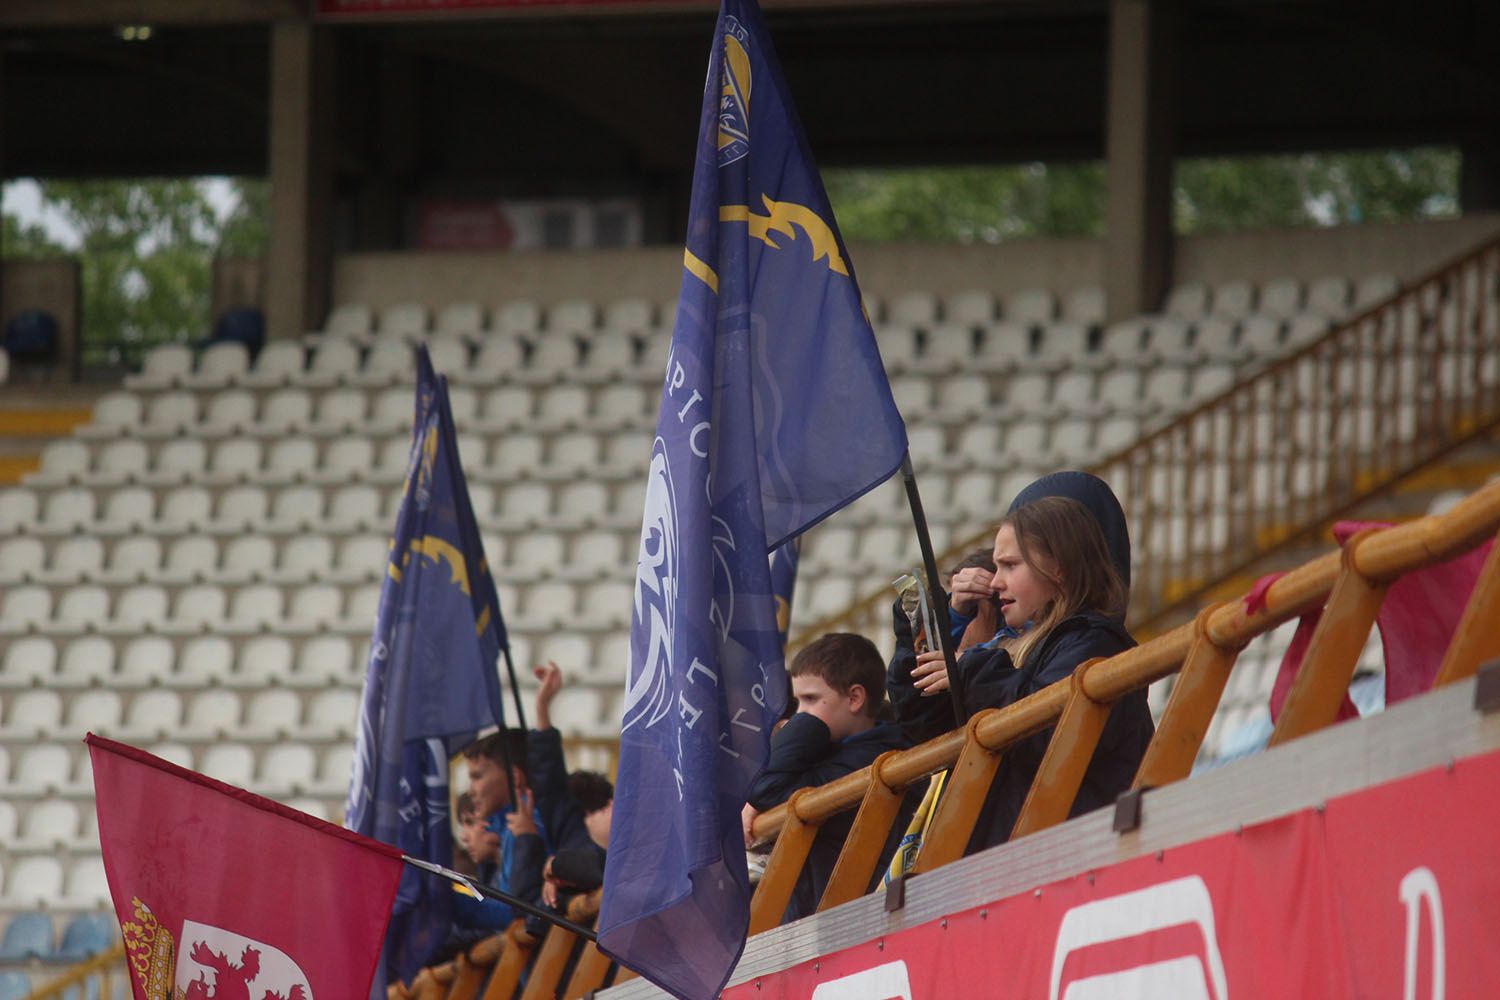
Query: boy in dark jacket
[838, 683]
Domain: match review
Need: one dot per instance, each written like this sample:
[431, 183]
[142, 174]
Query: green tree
[146, 249]
[23, 242]
[988, 204]
[968, 204]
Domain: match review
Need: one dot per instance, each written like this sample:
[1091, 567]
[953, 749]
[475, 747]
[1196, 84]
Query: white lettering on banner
[682, 413]
[1418, 886]
[884, 982]
[699, 430]
[1181, 901]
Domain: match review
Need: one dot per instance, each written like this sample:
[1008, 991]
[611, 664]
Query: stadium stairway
[30, 418]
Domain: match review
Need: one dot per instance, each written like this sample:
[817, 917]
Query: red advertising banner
[221, 893]
[1391, 892]
[336, 7]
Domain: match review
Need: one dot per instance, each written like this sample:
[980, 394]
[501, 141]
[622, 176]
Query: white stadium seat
[220, 364]
[351, 318]
[28, 660]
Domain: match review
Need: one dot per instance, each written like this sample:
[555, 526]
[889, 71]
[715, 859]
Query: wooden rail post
[1195, 697]
[867, 838]
[588, 974]
[468, 980]
[512, 962]
[783, 868]
[958, 808]
[1477, 638]
[1333, 653]
[547, 971]
[1069, 752]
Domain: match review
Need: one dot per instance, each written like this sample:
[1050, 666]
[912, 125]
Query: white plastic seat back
[84, 604]
[18, 509]
[27, 660]
[1032, 306]
[121, 411]
[405, 319]
[222, 363]
[87, 659]
[350, 318]
[124, 460]
[460, 317]
[172, 410]
[143, 605]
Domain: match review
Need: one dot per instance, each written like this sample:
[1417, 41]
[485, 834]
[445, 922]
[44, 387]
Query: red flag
[224, 894]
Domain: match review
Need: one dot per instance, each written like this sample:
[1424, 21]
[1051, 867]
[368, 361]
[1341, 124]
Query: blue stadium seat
[88, 934]
[14, 986]
[28, 935]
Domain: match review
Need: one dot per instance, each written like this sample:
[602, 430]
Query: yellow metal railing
[1348, 583]
[1279, 454]
[98, 970]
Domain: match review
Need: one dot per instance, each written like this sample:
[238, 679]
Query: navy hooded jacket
[991, 680]
[804, 754]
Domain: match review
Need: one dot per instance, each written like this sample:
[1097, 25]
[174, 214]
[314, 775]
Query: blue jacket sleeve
[480, 914]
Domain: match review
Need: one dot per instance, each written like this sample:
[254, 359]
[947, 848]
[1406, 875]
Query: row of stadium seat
[126, 662]
[1285, 297]
[264, 713]
[43, 882]
[263, 607]
[992, 346]
[290, 559]
[297, 509]
[325, 412]
[34, 936]
[1034, 394]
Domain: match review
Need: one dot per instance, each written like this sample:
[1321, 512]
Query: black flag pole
[936, 593]
[480, 889]
[515, 689]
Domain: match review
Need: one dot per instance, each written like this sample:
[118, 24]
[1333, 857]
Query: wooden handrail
[1390, 552]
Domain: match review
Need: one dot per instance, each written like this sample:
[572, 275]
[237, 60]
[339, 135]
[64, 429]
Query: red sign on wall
[1391, 892]
[336, 7]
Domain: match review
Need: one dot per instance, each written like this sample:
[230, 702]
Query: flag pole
[515, 689]
[934, 589]
[480, 889]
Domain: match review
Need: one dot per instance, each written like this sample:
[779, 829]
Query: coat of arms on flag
[224, 895]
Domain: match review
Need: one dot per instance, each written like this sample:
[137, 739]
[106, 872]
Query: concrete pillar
[1139, 130]
[299, 262]
[1479, 175]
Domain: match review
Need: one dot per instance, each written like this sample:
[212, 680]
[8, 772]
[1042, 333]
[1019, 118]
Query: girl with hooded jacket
[1058, 583]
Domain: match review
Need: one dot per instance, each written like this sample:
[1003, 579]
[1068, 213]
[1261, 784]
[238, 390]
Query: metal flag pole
[515, 689]
[935, 589]
[480, 889]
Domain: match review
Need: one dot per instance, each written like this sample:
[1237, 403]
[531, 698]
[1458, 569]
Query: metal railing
[93, 976]
[1349, 584]
[1282, 452]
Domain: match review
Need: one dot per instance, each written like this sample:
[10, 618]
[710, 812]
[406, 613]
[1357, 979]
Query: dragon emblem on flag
[656, 573]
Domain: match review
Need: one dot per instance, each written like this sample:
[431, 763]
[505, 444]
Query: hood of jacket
[1095, 494]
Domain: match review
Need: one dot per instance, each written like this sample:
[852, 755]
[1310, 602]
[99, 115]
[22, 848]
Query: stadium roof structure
[363, 108]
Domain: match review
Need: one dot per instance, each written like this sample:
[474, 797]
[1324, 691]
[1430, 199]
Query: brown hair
[842, 660]
[1062, 532]
[490, 748]
[464, 808]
